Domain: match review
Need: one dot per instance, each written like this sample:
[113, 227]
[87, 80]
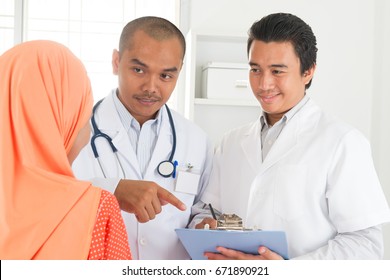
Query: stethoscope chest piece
[166, 168]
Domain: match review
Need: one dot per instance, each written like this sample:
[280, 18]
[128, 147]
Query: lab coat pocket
[289, 192]
[187, 182]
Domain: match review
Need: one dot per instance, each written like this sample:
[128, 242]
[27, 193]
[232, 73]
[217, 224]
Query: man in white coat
[143, 132]
[296, 169]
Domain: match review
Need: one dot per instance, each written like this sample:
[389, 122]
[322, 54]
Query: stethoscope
[165, 168]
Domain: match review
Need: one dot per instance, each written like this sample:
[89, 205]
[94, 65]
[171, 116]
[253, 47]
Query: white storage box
[226, 81]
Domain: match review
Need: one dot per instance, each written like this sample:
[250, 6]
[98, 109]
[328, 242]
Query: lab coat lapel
[285, 143]
[251, 146]
[112, 125]
[163, 147]
[126, 152]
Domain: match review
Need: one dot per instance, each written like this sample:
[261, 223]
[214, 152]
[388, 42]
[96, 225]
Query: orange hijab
[45, 99]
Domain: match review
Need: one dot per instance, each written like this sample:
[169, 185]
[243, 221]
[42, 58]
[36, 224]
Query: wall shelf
[215, 116]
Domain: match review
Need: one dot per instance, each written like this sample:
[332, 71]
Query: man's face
[147, 74]
[276, 78]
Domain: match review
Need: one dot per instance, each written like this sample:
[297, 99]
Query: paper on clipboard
[198, 241]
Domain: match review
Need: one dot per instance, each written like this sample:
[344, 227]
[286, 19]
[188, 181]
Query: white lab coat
[155, 239]
[318, 180]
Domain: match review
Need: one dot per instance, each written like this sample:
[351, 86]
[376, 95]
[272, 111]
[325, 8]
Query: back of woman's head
[45, 100]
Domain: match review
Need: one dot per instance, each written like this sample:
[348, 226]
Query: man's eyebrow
[269, 66]
[279, 65]
[140, 63]
[172, 69]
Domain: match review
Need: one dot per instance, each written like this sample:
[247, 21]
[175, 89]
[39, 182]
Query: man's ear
[115, 61]
[308, 75]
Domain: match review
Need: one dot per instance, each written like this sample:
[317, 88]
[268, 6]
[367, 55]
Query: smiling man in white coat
[296, 168]
[155, 161]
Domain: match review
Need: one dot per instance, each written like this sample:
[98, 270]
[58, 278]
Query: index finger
[165, 195]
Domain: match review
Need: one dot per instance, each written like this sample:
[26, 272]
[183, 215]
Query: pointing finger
[165, 195]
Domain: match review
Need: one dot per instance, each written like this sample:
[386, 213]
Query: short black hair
[156, 27]
[284, 27]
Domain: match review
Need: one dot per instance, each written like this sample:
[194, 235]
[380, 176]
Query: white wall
[352, 67]
[380, 136]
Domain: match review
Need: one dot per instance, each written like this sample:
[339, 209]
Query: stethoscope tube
[97, 133]
[173, 133]
[165, 168]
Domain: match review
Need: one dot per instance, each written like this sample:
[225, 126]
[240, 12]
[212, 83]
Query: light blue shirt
[143, 139]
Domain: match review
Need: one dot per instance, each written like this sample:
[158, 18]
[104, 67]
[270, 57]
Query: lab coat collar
[111, 120]
[251, 145]
[285, 143]
[164, 143]
[111, 124]
[288, 137]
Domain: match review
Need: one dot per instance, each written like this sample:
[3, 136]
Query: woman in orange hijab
[45, 213]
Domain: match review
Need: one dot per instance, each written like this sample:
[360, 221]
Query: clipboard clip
[230, 222]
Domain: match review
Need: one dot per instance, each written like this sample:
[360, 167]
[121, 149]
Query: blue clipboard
[199, 241]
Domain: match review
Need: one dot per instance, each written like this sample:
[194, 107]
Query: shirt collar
[128, 121]
[288, 116]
